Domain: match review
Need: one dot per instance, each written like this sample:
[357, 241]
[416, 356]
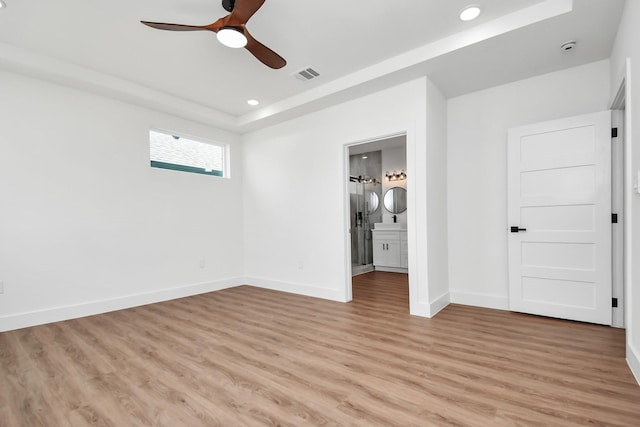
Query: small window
[186, 155]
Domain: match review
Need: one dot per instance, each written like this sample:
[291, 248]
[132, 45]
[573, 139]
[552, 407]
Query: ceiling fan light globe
[232, 37]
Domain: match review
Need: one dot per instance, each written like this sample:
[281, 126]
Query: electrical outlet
[203, 264]
[300, 265]
[1, 287]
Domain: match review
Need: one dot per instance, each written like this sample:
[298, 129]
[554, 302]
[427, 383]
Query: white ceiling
[357, 46]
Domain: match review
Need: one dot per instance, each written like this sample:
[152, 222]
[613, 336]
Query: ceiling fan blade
[173, 27]
[181, 27]
[243, 10]
[263, 53]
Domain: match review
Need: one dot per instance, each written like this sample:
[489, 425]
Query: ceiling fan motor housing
[228, 5]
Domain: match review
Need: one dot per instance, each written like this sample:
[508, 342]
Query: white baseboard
[421, 309]
[429, 310]
[439, 304]
[633, 359]
[480, 300]
[57, 314]
[297, 288]
[392, 269]
[357, 270]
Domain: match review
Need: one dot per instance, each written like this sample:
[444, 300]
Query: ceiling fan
[232, 32]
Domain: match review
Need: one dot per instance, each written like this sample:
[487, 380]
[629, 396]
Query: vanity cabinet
[390, 250]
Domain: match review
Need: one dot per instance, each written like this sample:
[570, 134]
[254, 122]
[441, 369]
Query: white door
[560, 218]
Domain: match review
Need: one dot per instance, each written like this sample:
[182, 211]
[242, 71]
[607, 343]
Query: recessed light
[365, 157]
[253, 102]
[470, 12]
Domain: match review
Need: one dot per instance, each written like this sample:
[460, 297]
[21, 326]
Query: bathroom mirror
[373, 201]
[395, 200]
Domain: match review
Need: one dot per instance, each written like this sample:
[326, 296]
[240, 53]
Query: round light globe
[231, 37]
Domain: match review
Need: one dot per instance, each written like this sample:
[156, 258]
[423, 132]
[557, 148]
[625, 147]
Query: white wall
[437, 217]
[626, 47]
[86, 225]
[295, 187]
[477, 169]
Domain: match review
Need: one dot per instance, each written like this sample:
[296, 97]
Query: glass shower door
[363, 201]
[357, 224]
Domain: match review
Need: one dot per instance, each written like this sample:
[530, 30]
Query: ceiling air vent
[306, 74]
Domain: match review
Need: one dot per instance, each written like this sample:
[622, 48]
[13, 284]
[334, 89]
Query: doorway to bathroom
[378, 221]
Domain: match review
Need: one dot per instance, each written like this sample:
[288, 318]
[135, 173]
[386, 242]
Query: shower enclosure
[365, 196]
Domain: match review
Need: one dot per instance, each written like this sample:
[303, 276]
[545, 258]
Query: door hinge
[614, 132]
[614, 218]
[614, 302]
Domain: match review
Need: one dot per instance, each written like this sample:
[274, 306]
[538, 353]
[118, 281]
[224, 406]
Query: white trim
[497, 302]
[346, 213]
[385, 73]
[297, 288]
[617, 206]
[57, 314]
[439, 304]
[633, 360]
[198, 140]
[421, 309]
[392, 269]
[417, 237]
[347, 294]
[361, 269]
[621, 251]
[29, 63]
[618, 100]
[371, 140]
[633, 356]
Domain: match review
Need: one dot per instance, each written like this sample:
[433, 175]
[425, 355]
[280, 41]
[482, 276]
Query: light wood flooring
[249, 356]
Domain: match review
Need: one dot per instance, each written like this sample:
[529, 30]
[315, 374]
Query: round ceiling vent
[567, 46]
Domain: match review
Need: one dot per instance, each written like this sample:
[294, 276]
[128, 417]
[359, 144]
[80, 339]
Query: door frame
[347, 218]
[621, 192]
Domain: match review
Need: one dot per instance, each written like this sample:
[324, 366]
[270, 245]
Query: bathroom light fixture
[396, 176]
[2, 4]
[470, 12]
[365, 180]
[232, 37]
[253, 102]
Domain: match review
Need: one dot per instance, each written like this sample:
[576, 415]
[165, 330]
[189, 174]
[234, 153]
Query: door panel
[559, 292]
[558, 255]
[558, 182]
[559, 196]
[559, 218]
[569, 147]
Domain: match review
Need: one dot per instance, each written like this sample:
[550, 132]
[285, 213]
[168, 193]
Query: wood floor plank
[250, 357]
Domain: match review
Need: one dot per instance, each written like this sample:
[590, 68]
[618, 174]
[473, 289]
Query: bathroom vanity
[390, 249]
